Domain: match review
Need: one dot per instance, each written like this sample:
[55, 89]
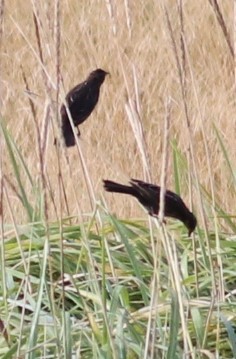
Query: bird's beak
[107, 73]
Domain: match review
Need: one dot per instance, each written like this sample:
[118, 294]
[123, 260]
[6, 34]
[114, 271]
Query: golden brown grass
[172, 82]
[132, 40]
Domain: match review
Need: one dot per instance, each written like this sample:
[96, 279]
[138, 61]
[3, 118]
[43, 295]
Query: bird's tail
[68, 134]
[111, 186]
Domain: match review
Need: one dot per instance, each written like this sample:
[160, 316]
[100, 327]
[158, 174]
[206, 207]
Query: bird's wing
[174, 205]
[174, 198]
[77, 94]
[171, 196]
[145, 185]
[147, 194]
[81, 101]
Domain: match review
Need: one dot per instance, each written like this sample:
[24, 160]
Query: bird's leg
[78, 132]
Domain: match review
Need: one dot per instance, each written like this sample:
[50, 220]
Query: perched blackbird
[81, 101]
[149, 196]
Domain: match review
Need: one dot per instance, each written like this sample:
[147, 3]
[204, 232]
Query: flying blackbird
[81, 101]
[149, 196]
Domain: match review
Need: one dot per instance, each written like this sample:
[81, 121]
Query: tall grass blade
[13, 151]
[174, 328]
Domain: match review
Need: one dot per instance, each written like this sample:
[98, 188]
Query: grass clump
[87, 292]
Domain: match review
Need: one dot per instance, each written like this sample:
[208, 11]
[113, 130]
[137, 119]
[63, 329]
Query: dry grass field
[103, 287]
[132, 40]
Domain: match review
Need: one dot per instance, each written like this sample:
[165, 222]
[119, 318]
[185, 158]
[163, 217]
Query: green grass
[99, 305]
[97, 286]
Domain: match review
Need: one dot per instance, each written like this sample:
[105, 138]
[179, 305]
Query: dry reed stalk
[132, 108]
[38, 136]
[138, 132]
[49, 86]
[49, 109]
[182, 293]
[3, 329]
[208, 321]
[184, 79]
[110, 9]
[41, 138]
[183, 92]
[215, 291]
[31, 103]
[149, 351]
[87, 177]
[213, 206]
[56, 27]
[221, 21]
[1, 186]
[182, 47]
[128, 17]
[170, 249]
[2, 7]
[133, 113]
[57, 41]
[234, 37]
[170, 246]
[165, 158]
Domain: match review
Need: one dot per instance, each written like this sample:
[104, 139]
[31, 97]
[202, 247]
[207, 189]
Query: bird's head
[99, 75]
[190, 222]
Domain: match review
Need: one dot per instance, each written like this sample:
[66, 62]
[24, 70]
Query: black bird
[149, 196]
[81, 101]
